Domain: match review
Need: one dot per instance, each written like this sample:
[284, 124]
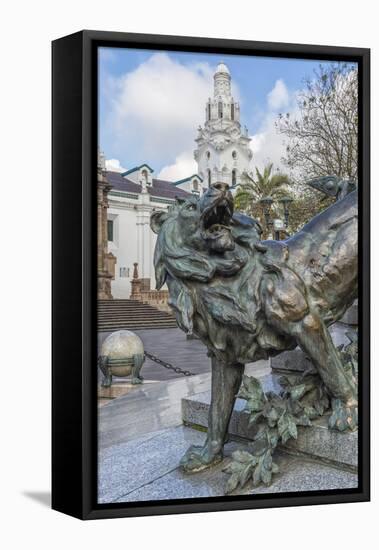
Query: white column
[139, 243]
[146, 245]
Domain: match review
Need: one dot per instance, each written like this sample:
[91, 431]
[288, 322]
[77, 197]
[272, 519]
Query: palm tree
[306, 202]
[264, 185]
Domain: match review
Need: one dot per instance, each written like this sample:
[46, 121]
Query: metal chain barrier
[166, 365]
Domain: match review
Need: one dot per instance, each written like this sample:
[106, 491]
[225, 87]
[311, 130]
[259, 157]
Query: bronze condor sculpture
[248, 299]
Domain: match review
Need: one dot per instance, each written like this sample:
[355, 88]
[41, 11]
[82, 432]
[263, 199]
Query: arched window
[195, 185]
[209, 178]
[208, 155]
[234, 177]
[232, 111]
[234, 155]
[209, 111]
[220, 109]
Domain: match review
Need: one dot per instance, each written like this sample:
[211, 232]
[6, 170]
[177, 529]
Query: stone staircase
[131, 315]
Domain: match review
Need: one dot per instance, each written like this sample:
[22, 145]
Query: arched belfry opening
[234, 177]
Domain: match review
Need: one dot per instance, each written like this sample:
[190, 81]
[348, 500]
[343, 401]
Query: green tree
[307, 202]
[267, 184]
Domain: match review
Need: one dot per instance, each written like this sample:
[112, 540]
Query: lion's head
[213, 262]
[199, 238]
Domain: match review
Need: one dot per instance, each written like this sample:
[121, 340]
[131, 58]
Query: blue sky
[151, 103]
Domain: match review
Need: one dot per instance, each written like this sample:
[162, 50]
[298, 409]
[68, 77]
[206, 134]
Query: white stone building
[135, 194]
[222, 154]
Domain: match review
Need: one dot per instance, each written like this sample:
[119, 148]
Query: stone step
[123, 303]
[133, 311]
[316, 441]
[134, 326]
[116, 302]
[127, 307]
[145, 324]
[113, 316]
[137, 320]
[131, 314]
[128, 316]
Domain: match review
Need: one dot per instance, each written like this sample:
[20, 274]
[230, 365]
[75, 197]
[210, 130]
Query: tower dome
[222, 68]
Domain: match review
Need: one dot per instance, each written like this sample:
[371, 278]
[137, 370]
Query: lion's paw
[199, 458]
[344, 417]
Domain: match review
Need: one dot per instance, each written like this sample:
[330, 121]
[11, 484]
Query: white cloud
[267, 144]
[156, 109]
[184, 166]
[279, 97]
[113, 165]
[158, 106]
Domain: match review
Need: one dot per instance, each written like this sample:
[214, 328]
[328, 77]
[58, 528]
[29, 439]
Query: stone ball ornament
[122, 354]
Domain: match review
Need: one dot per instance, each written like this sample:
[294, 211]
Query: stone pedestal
[297, 361]
[142, 292]
[104, 285]
[351, 315]
[315, 442]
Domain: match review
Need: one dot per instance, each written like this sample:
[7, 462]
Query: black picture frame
[74, 151]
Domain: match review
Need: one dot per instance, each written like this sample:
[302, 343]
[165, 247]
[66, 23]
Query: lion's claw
[344, 417]
[199, 458]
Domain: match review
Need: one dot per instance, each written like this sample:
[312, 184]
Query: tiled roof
[160, 188]
[136, 168]
[187, 179]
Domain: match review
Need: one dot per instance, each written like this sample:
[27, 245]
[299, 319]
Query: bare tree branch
[323, 134]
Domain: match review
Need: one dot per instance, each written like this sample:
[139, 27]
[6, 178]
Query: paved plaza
[142, 436]
[170, 345]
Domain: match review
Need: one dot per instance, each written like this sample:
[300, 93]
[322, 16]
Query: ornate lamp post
[266, 203]
[276, 225]
[286, 201]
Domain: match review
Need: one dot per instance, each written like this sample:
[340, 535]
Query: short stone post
[135, 284]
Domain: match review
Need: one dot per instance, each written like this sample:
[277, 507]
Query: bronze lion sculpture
[248, 299]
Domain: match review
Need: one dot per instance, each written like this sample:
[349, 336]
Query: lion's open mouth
[217, 217]
[215, 220]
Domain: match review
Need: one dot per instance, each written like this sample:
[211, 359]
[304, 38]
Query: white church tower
[223, 152]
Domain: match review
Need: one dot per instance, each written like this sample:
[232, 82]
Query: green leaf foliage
[277, 417]
[252, 391]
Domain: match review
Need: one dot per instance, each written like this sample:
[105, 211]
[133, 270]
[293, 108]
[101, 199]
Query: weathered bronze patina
[248, 299]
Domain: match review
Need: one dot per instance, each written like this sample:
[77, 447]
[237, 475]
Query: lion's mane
[216, 296]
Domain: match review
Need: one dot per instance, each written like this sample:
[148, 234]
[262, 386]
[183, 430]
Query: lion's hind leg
[313, 337]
